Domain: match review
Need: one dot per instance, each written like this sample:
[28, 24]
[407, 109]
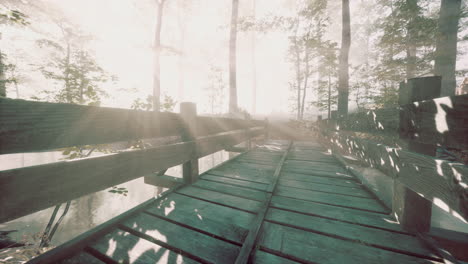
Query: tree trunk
[254, 63]
[446, 46]
[412, 6]
[329, 95]
[298, 70]
[306, 78]
[232, 59]
[67, 75]
[157, 54]
[2, 77]
[343, 84]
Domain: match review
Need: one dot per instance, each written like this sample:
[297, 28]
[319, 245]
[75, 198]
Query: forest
[323, 54]
[236, 67]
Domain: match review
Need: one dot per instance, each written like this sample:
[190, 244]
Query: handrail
[30, 189]
[27, 126]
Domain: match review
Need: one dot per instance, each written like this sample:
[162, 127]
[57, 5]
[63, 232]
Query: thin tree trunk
[343, 84]
[306, 78]
[254, 63]
[232, 59]
[157, 54]
[2, 77]
[67, 75]
[446, 46]
[410, 46]
[181, 59]
[329, 96]
[298, 71]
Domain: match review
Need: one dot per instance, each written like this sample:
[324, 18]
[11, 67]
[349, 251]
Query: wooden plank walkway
[279, 203]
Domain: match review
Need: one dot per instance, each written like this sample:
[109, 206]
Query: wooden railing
[27, 126]
[423, 123]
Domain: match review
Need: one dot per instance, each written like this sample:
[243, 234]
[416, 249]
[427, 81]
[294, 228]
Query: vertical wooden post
[267, 129]
[188, 112]
[413, 211]
[333, 122]
[247, 132]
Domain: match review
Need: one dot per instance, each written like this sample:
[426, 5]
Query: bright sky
[123, 40]
[124, 31]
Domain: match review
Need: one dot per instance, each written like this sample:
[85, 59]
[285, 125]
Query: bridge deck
[314, 212]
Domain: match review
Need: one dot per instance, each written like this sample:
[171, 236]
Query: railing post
[247, 131]
[413, 211]
[267, 129]
[188, 112]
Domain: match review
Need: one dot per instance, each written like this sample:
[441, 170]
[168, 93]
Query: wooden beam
[440, 181]
[188, 112]
[78, 243]
[441, 121]
[30, 189]
[412, 208]
[210, 144]
[164, 181]
[28, 126]
[249, 242]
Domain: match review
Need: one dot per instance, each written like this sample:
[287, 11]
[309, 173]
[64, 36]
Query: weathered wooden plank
[338, 213]
[50, 184]
[325, 188]
[246, 175]
[222, 198]
[162, 180]
[78, 243]
[225, 222]
[323, 249]
[440, 121]
[248, 184]
[438, 180]
[384, 120]
[81, 257]
[213, 143]
[332, 199]
[262, 257]
[124, 247]
[249, 244]
[343, 182]
[376, 237]
[309, 167]
[232, 190]
[442, 182]
[319, 173]
[197, 244]
[36, 126]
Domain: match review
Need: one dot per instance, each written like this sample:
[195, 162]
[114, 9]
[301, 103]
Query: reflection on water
[90, 210]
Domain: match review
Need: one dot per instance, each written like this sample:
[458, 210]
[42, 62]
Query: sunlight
[142, 247]
[111, 247]
[168, 210]
[441, 204]
[441, 115]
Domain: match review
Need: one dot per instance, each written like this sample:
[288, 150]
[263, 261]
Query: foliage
[75, 72]
[215, 90]
[12, 17]
[119, 190]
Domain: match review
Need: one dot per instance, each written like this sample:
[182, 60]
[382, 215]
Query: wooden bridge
[283, 201]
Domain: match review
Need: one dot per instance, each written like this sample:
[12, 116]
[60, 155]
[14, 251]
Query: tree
[343, 84]
[215, 90]
[446, 46]
[10, 17]
[76, 73]
[233, 58]
[157, 54]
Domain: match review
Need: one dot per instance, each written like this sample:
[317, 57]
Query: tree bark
[2, 77]
[254, 63]
[157, 54]
[446, 45]
[411, 51]
[343, 84]
[232, 59]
